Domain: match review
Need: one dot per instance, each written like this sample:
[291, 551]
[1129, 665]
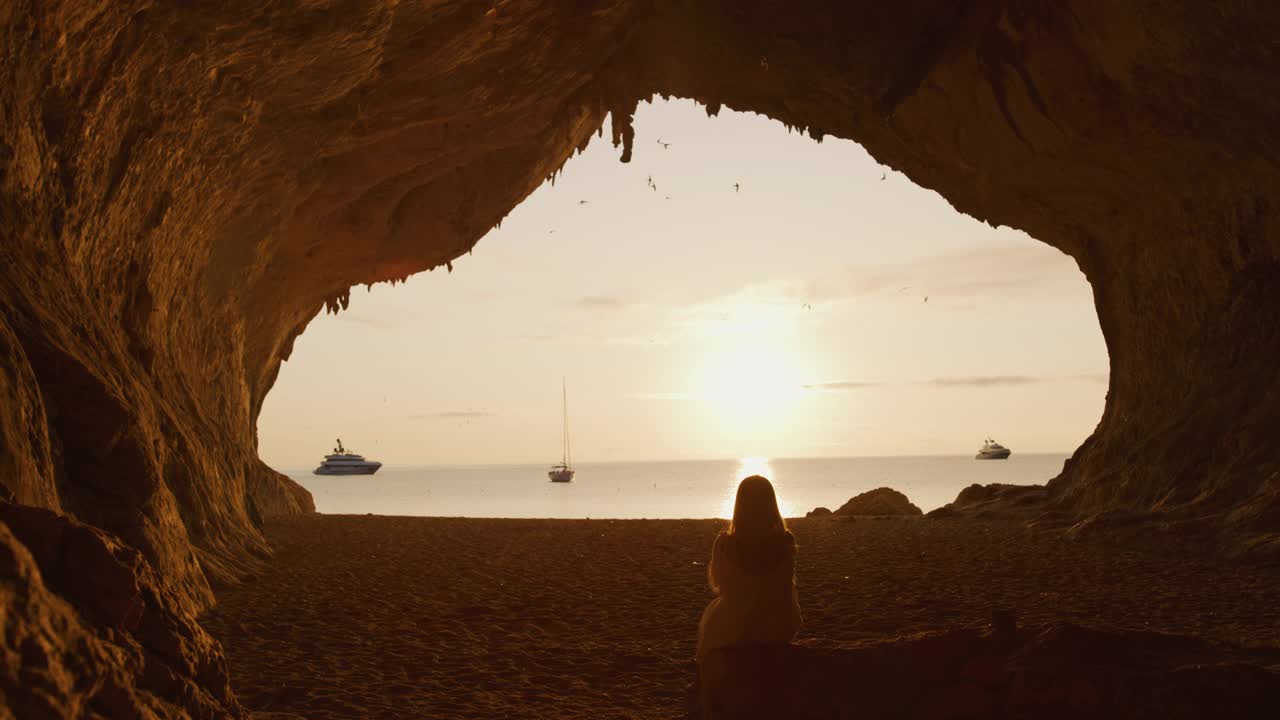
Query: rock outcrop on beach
[881, 501]
[1028, 501]
[1046, 672]
[182, 189]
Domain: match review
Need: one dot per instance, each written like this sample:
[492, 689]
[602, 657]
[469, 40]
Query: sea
[663, 489]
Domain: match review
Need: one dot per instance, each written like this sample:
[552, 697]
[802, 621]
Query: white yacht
[344, 462]
[992, 450]
[563, 472]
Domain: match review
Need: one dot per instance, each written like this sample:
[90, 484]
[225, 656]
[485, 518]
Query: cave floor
[396, 617]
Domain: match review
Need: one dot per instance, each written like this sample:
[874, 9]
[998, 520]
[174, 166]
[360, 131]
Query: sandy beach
[400, 617]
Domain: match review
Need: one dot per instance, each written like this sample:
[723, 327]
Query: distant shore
[410, 617]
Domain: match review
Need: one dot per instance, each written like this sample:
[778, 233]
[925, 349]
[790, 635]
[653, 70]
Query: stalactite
[624, 132]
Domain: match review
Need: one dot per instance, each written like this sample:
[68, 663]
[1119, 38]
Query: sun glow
[744, 383]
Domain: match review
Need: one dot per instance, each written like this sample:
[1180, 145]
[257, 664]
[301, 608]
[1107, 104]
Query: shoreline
[674, 490]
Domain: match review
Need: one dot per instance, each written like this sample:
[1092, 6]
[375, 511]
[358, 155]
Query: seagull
[882, 176]
[583, 202]
[664, 145]
[650, 181]
[736, 187]
[926, 298]
[668, 197]
[551, 232]
[807, 306]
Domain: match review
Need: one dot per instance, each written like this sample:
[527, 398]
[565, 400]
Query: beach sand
[399, 617]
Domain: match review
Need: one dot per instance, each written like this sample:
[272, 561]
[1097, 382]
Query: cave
[185, 188]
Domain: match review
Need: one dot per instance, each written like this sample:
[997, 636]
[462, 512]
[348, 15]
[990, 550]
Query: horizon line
[1065, 454]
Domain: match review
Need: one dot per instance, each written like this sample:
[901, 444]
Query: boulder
[818, 512]
[881, 501]
[1023, 502]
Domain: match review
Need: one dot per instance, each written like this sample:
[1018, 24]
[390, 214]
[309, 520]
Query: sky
[824, 307]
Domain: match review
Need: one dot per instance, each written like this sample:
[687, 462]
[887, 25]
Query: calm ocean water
[676, 489]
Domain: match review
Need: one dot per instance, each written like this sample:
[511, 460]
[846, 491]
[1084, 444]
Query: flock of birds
[737, 187]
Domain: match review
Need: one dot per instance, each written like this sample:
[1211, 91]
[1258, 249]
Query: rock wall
[183, 187]
[100, 635]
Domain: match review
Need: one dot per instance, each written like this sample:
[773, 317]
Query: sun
[748, 369]
[749, 378]
[748, 396]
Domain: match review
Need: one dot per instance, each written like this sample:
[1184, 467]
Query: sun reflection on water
[747, 467]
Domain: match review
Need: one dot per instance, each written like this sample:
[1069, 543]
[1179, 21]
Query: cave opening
[737, 290]
[181, 191]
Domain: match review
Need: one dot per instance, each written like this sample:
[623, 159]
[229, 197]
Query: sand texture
[388, 617]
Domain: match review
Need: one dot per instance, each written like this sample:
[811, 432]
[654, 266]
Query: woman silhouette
[753, 574]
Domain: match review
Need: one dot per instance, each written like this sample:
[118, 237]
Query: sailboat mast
[564, 392]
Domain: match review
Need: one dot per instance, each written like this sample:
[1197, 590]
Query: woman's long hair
[758, 536]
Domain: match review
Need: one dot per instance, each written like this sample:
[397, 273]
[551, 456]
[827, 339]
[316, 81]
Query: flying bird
[882, 176]
[664, 145]
[583, 202]
[926, 298]
[807, 306]
[736, 187]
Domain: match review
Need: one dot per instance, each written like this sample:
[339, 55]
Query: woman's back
[756, 603]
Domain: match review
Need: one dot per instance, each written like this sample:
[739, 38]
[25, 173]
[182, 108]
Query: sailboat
[564, 471]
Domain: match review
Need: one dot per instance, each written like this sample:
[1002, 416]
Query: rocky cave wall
[184, 188]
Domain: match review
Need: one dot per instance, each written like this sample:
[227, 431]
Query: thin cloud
[663, 396]
[756, 310]
[640, 340]
[1024, 270]
[987, 381]
[841, 385]
[1103, 378]
[599, 302]
[452, 415]
[983, 381]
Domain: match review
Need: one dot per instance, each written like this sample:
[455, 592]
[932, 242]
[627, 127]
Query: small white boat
[563, 472]
[992, 450]
[344, 462]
